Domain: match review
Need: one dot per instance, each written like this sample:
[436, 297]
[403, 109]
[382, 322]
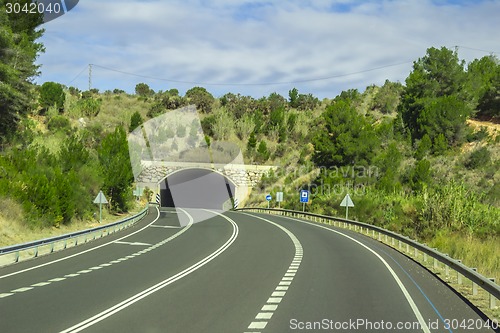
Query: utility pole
[90, 76]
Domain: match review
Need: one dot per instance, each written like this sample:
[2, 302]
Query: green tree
[438, 75]
[445, 115]
[258, 119]
[307, 102]
[484, 81]
[73, 154]
[116, 169]
[420, 176]
[387, 98]
[424, 146]
[252, 142]
[440, 145]
[18, 52]
[52, 94]
[89, 106]
[346, 138]
[293, 97]
[262, 152]
[135, 121]
[276, 101]
[483, 85]
[143, 90]
[200, 97]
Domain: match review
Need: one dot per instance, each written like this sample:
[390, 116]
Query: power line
[251, 84]
[474, 49]
[76, 77]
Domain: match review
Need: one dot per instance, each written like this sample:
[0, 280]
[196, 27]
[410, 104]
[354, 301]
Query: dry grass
[492, 128]
[13, 230]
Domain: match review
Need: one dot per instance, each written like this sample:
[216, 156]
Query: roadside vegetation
[420, 158]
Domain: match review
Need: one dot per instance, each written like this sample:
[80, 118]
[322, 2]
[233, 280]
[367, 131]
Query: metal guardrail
[49, 245]
[477, 279]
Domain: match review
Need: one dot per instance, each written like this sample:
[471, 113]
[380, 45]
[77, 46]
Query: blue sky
[258, 47]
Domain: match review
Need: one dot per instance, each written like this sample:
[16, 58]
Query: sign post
[279, 198]
[100, 199]
[268, 198]
[304, 198]
[347, 202]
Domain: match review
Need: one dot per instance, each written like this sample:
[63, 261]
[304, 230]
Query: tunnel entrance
[196, 188]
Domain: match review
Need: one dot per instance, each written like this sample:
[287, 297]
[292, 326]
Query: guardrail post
[385, 238]
[379, 236]
[459, 276]
[392, 241]
[446, 268]
[435, 262]
[17, 256]
[474, 285]
[400, 245]
[65, 244]
[416, 253]
[36, 252]
[407, 248]
[52, 247]
[492, 298]
[373, 233]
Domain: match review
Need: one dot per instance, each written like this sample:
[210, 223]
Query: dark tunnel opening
[196, 188]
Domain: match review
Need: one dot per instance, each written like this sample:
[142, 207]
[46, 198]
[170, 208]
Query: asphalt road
[234, 273]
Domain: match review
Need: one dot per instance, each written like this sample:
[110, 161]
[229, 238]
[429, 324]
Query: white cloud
[226, 41]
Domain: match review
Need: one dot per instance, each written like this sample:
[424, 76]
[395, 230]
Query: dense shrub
[59, 123]
[478, 158]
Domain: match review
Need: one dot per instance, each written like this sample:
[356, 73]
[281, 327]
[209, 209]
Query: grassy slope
[14, 231]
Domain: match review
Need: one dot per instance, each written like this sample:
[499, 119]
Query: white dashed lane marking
[71, 275]
[21, 290]
[57, 279]
[95, 268]
[267, 311]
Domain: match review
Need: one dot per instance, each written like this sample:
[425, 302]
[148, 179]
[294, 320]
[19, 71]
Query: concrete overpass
[200, 185]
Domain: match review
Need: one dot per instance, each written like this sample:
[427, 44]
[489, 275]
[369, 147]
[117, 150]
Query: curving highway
[234, 272]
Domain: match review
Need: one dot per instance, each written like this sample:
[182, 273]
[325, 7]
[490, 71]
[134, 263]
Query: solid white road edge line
[407, 295]
[80, 253]
[137, 297]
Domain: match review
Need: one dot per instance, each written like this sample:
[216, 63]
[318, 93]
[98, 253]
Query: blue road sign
[304, 196]
[269, 197]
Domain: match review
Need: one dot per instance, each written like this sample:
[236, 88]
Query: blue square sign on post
[304, 196]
